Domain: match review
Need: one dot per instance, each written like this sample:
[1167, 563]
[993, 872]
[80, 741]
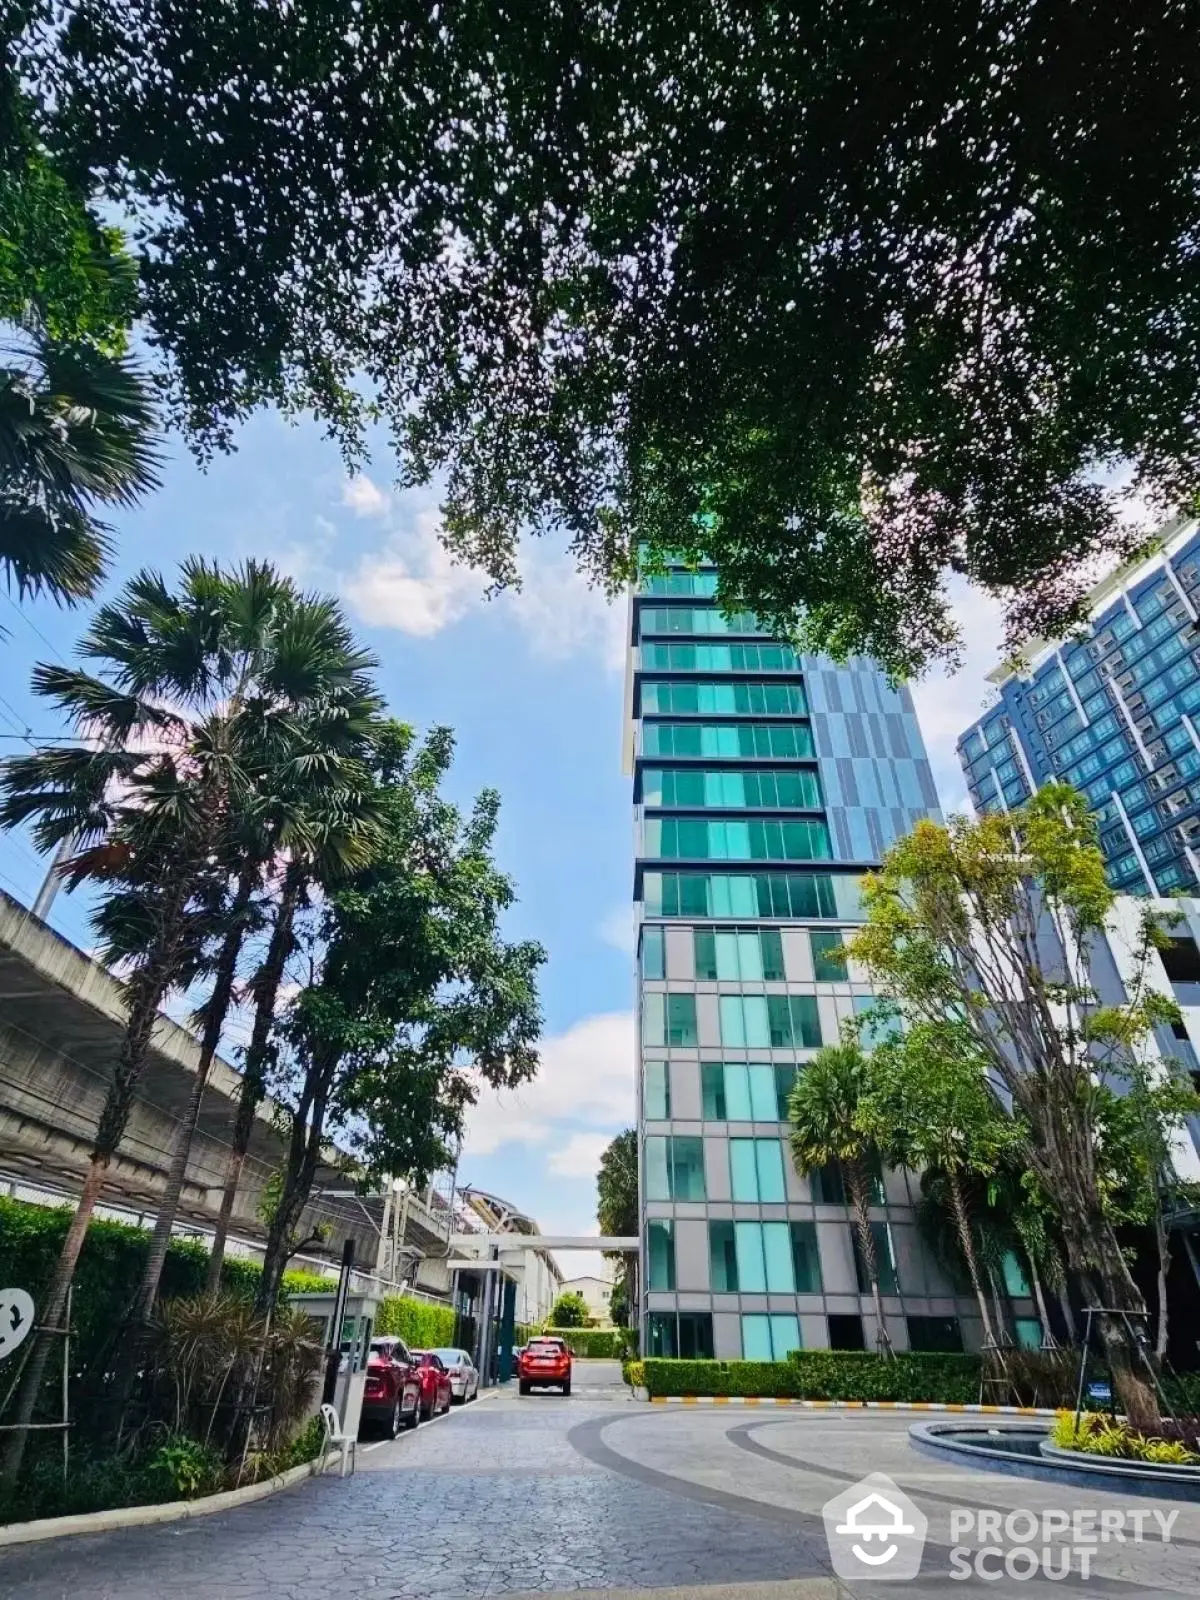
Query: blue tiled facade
[1114, 711]
[765, 784]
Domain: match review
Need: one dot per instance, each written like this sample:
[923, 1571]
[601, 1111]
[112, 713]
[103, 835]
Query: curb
[171, 1511]
[850, 1405]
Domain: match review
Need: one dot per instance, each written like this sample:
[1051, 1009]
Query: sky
[532, 685]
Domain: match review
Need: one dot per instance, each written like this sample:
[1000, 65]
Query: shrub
[823, 1375]
[419, 1324]
[634, 1374]
[185, 1468]
[1096, 1435]
[599, 1344]
[569, 1311]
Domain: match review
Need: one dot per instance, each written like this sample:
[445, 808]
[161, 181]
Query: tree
[959, 920]
[148, 822]
[569, 1311]
[617, 1214]
[415, 997]
[969, 287]
[930, 1105]
[825, 1110]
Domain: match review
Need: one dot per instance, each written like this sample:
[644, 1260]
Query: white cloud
[412, 584]
[580, 1156]
[619, 929]
[948, 703]
[364, 497]
[586, 1086]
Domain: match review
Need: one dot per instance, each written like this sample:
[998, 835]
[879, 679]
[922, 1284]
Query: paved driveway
[545, 1495]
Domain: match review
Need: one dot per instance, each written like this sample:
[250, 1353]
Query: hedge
[422, 1326]
[823, 1375]
[601, 1344]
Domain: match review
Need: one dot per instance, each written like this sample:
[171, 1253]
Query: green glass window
[674, 1167]
[660, 1255]
[828, 1185]
[806, 1261]
[738, 955]
[656, 1091]
[756, 1170]
[704, 697]
[734, 1091]
[653, 954]
[764, 1258]
[885, 1260]
[692, 838]
[718, 657]
[780, 741]
[722, 1258]
[769, 1338]
[1029, 1333]
[785, 1078]
[794, 1021]
[668, 1019]
[783, 895]
[935, 1335]
[731, 790]
[700, 584]
[876, 1024]
[828, 955]
[744, 1021]
[686, 620]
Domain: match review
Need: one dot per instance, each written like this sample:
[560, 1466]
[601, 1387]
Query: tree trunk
[859, 1184]
[962, 1223]
[218, 1009]
[266, 990]
[304, 1152]
[1039, 1295]
[1163, 1242]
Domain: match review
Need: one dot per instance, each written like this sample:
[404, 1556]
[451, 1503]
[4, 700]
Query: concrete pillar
[508, 1318]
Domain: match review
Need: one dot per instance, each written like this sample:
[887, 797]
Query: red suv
[436, 1392]
[544, 1364]
[392, 1398]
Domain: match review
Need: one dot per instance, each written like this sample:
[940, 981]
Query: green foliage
[597, 1344]
[421, 1325]
[824, 1375]
[1102, 1436]
[617, 1214]
[185, 1468]
[634, 1374]
[568, 1311]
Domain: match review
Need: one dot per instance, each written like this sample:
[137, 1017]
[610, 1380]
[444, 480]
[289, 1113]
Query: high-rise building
[1114, 710]
[764, 785]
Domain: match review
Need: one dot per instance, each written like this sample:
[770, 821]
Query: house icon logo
[875, 1531]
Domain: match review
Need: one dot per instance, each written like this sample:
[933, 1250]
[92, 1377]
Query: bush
[598, 1344]
[419, 1324]
[823, 1375]
[569, 1311]
[1100, 1436]
[184, 1468]
[634, 1374]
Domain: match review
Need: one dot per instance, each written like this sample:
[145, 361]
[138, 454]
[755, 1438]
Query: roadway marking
[483, 1394]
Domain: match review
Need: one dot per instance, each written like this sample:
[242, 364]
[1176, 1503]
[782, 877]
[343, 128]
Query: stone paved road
[551, 1496]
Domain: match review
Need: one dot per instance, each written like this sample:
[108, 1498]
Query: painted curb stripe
[849, 1405]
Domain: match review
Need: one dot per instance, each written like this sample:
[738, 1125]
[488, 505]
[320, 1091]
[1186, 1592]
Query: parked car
[392, 1398]
[435, 1382]
[544, 1363]
[464, 1379]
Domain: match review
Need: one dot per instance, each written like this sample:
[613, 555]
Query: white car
[464, 1379]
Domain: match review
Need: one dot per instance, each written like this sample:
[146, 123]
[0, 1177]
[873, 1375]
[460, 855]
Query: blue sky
[532, 685]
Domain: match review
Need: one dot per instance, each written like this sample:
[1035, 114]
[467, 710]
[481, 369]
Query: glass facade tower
[1115, 711]
[764, 785]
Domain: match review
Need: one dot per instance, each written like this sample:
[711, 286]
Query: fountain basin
[1023, 1450]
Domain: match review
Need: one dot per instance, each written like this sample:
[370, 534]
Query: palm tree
[77, 431]
[213, 682]
[824, 1111]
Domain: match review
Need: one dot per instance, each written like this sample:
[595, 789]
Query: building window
[846, 1332]
[653, 954]
[876, 1025]
[769, 1338]
[885, 1260]
[761, 741]
[734, 1091]
[756, 1170]
[828, 1185]
[731, 790]
[656, 1091]
[794, 1021]
[669, 1019]
[806, 1259]
[686, 1335]
[828, 955]
[1029, 1333]
[738, 955]
[698, 584]
[697, 697]
[674, 1167]
[787, 896]
[934, 1335]
[763, 1258]
[683, 619]
[660, 1255]
[694, 839]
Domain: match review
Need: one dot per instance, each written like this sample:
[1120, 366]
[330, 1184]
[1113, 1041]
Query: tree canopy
[845, 298]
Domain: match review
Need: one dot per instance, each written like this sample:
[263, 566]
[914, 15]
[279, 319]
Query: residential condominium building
[764, 785]
[1114, 710]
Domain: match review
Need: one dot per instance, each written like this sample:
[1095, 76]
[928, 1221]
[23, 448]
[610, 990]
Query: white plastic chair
[346, 1442]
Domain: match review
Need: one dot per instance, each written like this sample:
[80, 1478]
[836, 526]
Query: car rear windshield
[450, 1358]
[548, 1346]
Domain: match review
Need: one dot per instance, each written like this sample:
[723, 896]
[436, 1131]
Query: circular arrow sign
[16, 1319]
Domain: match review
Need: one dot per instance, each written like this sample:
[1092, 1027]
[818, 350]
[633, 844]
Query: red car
[544, 1363]
[392, 1398]
[436, 1393]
